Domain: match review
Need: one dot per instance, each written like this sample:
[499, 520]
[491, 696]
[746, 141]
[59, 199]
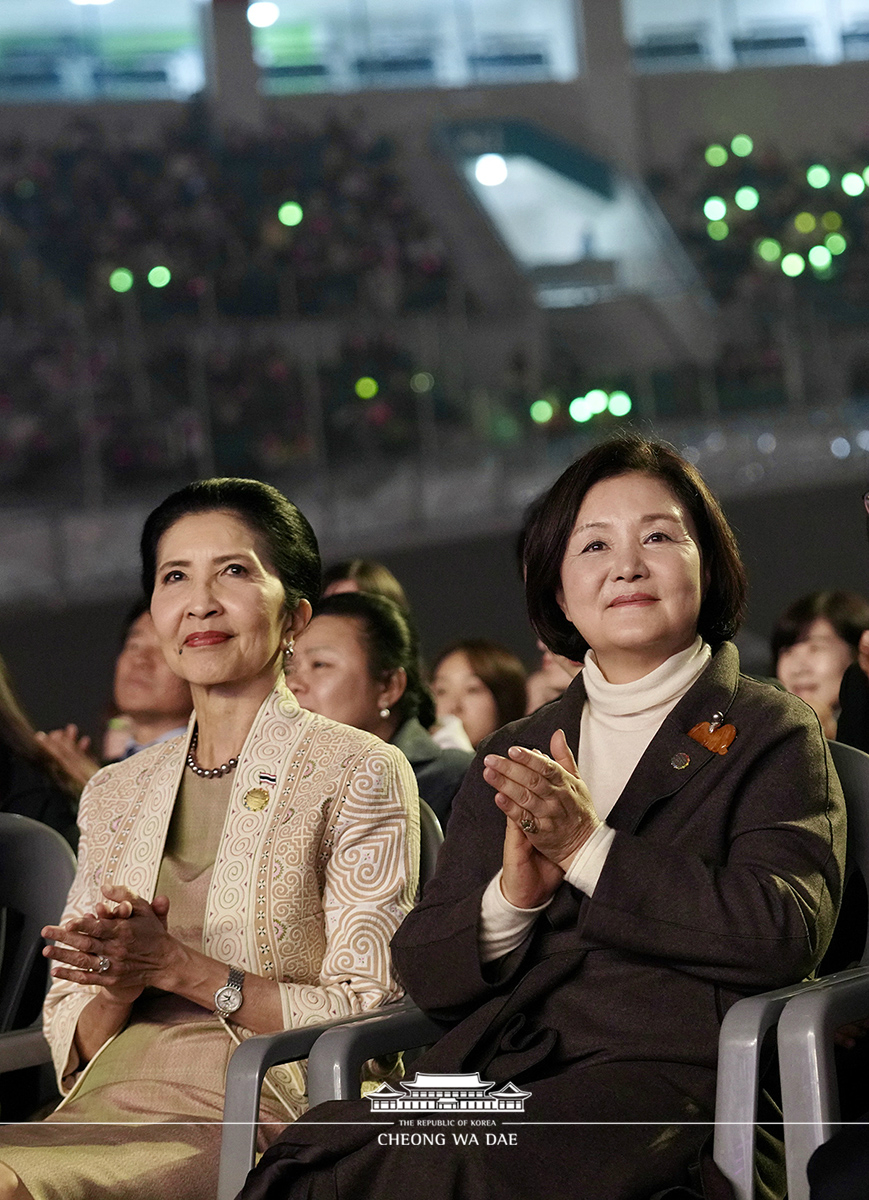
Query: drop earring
[289, 650]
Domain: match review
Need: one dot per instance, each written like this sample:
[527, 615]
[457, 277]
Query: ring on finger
[103, 965]
[528, 824]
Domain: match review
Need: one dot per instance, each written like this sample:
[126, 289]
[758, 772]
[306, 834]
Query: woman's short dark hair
[391, 642]
[288, 537]
[847, 612]
[369, 576]
[499, 669]
[551, 523]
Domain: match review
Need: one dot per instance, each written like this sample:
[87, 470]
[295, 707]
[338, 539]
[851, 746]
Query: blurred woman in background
[814, 641]
[358, 662]
[364, 575]
[32, 783]
[482, 684]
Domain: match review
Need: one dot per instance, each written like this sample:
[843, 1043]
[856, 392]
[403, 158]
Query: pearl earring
[384, 713]
[289, 649]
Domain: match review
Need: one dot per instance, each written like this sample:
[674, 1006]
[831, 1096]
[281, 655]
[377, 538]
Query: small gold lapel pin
[714, 734]
[255, 799]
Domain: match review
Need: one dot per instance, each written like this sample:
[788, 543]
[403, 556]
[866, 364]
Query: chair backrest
[36, 872]
[852, 767]
[431, 838]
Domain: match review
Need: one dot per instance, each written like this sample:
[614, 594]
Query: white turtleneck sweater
[618, 722]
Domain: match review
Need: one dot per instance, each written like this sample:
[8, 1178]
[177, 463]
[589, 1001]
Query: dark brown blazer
[724, 878]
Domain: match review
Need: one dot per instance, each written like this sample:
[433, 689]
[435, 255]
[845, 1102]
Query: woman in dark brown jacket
[621, 866]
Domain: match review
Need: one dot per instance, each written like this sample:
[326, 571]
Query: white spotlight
[491, 169]
[263, 13]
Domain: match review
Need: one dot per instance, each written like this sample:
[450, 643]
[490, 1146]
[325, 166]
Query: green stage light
[620, 404]
[715, 155]
[290, 213]
[769, 250]
[793, 265]
[366, 388]
[747, 198]
[158, 277]
[542, 412]
[715, 209]
[742, 145]
[817, 176]
[121, 280]
[718, 230]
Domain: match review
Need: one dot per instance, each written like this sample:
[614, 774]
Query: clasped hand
[128, 934]
[550, 817]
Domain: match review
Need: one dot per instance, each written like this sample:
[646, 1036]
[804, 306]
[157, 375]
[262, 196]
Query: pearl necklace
[194, 766]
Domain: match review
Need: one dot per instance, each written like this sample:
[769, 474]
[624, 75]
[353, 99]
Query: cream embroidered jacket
[316, 868]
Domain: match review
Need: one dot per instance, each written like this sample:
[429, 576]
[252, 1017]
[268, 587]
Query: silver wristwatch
[228, 999]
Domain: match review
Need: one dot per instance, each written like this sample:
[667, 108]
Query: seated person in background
[243, 878]
[619, 869]
[550, 680]
[813, 643]
[154, 702]
[32, 782]
[481, 684]
[358, 662]
[364, 575]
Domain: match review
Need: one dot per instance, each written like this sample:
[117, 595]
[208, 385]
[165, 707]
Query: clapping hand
[124, 946]
[550, 817]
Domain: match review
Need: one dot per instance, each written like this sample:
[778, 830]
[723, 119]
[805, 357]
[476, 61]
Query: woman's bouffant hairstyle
[499, 669]
[847, 612]
[289, 539]
[551, 522]
[390, 643]
[369, 576]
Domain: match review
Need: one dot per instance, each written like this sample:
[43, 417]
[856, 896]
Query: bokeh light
[542, 412]
[831, 221]
[853, 184]
[769, 250]
[820, 257]
[793, 265]
[366, 388]
[716, 156]
[620, 404]
[597, 400]
[290, 213]
[742, 145]
[158, 277]
[766, 443]
[262, 14]
[121, 280]
[835, 243]
[840, 447]
[580, 410]
[422, 381]
[715, 208]
[817, 176]
[490, 170]
[718, 230]
[804, 222]
[747, 198]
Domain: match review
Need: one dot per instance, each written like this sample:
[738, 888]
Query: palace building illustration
[447, 1093]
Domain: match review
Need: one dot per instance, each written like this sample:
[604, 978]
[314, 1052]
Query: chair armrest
[244, 1079]
[21, 1048]
[336, 1060]
[739, 1047]
[810, 1099]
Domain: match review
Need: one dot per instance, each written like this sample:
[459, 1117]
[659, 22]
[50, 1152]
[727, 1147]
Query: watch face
[227, 1000]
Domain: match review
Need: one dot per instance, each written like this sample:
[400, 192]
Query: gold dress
[145, 1121]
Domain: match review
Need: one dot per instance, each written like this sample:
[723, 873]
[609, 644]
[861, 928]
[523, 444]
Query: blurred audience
[813, 643]
[550, 679]
[32, 782]
[358, 662]
[364, 575]
[481, 683]
[152, 704]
